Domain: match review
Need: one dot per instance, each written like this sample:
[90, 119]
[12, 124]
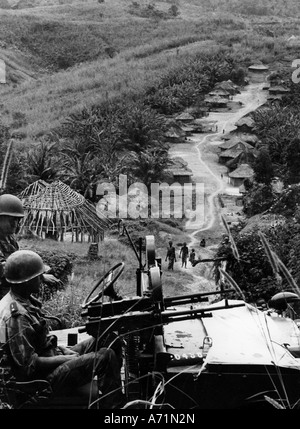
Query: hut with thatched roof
[228, 86]
[55, 210]
[216, 101]
[179, 171]
[240, 136]
[237, 177]
[174, 132]
[258, 72]
[278, 90]
[184, 117]
[247, 157]
[245, 124]
[219, 93]
[234, 151]
[228, 144]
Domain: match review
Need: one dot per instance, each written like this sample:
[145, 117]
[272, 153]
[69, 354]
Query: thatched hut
[55, 210]
[219, 93]
[234, 151]
[245, 124]
[258, 72]
[237, 177]
[215, 101]
[185, 117]
[174, 132]
[229, 144]
[228, 86]
[278, 90]
[246, 157]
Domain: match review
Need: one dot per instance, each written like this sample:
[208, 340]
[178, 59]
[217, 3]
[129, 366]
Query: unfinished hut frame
[54, 210]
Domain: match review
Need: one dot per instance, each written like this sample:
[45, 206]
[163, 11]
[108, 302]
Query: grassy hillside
[78, 54]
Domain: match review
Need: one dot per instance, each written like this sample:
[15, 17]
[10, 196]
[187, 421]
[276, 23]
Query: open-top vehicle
[183, 352]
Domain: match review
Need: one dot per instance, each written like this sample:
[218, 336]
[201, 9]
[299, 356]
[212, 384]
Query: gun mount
[183, 352]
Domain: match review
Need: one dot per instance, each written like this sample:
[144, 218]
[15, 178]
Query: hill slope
[69, 55]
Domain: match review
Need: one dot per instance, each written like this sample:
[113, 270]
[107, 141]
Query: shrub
[259, 197]
[253, 273]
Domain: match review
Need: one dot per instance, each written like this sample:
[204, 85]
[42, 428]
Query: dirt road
[200, 154]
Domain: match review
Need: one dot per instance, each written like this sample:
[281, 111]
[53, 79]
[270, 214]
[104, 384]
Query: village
[157, 190]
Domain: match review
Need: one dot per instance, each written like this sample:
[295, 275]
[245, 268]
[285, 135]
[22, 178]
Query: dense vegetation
[75, 56]
[121, 136]
[277, 126]
[98, 79]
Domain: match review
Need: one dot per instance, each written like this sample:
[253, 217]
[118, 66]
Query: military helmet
[23, 265]
[11, 205]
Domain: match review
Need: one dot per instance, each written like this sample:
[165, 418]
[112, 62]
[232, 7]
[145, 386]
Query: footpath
[199, 152]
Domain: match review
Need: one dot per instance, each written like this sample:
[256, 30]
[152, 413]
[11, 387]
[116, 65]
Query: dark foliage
[258, 199]
[61, 267]
[263, 167]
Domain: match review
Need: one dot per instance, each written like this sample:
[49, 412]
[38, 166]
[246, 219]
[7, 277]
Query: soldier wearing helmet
[35, 354]
[11, 213]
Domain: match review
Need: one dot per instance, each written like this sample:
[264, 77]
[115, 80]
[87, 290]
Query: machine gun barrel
[107, 309]
[137, 320]
[175, 316]
[195, 297]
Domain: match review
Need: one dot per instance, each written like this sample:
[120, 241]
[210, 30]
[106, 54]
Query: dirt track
[200, 154]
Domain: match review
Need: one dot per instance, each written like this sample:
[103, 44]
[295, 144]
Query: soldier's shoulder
[10, 308]
[16, 308]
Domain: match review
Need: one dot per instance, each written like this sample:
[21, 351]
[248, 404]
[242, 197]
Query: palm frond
[288, 276]
[272, 257]
[274, 403]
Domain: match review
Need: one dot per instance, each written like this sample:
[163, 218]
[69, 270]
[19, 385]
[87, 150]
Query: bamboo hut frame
[54, 209]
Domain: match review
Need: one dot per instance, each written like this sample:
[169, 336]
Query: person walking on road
[171, 256]
[192, 256]
[184, 252]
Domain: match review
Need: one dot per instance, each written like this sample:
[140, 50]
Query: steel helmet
[23, 265]
[11, 205]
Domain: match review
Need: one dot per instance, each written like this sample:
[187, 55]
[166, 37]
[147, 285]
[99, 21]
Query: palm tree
[84, 166]
[80, 166]
[41, 163]
[139, 127]
[149, 166]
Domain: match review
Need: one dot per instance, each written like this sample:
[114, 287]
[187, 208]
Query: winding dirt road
[200, 154]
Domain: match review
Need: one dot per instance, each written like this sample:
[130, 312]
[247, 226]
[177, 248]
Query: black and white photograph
[149, 207]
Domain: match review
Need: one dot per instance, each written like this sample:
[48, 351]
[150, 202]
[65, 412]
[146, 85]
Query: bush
[61, 267]
[185, 86]
[253, 273]
[258, 199]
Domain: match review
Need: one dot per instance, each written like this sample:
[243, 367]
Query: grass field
[78, 54]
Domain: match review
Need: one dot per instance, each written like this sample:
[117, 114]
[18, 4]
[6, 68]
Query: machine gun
[140, 320]
[149, 309]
